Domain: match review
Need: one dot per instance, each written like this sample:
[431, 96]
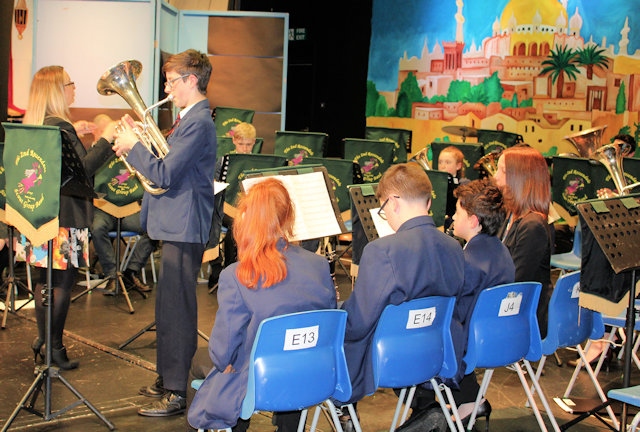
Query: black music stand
[76, 182]
[12, 283]
[615, 225]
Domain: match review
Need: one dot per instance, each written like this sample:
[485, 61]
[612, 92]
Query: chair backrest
[504, 328]
[297, 361]
[568, 323]
[577, 240]
[412, 343]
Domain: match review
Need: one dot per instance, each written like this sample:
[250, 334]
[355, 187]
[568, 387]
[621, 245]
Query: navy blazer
[417, 261]
[183, 213]
[308, 286]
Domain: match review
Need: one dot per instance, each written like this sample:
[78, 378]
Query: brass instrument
[121, 79]
[587, 141]
[489, 162]
[611, 155]
[422, 157]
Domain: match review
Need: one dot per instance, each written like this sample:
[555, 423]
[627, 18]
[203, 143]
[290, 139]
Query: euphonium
[422, 157]
[121, 79]
[587, 141]
[488, 162]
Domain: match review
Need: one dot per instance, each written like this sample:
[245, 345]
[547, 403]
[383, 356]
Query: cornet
[120, 79]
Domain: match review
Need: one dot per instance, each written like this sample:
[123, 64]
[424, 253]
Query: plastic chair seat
[131, 239]
[570, 261]
[282, 378]
[416, 329]
[631, 396]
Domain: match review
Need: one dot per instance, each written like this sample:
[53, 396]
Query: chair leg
[443, 405]
[541, 395]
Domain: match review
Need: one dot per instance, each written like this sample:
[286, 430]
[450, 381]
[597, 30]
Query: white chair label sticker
[575, 291]
[301, 338]
[510, 305]
[419, 318]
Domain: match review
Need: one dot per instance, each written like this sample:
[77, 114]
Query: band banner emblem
[32, 162]
[122, 190]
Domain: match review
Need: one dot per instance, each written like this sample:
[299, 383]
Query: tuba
[422, 157]
[121, 79]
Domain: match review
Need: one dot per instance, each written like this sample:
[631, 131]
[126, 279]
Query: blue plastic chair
[570, 325]
[570, 261]
[297, 362]
[503, 331]
[631, 396]
[416, 329]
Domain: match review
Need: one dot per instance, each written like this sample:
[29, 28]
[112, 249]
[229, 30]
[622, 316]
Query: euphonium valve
[121, 80]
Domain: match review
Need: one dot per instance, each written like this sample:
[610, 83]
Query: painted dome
[539, 12]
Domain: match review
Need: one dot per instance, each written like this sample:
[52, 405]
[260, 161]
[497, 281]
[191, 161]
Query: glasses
[381, 212]
[70, 83]
[169, 83]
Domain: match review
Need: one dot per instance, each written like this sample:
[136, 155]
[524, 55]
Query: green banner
[440, 184]
[572, 182]
[235, 164]
[297, 146]
[342, 173]
[471, 153]
[401, 139]
[118, 185]
[3, 188]
[494, 139]
[226, 118]
[374, 157]
[32, 162]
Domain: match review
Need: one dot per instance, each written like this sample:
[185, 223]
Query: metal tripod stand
[47, 372]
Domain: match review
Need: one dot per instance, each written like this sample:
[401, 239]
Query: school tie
[175, 125]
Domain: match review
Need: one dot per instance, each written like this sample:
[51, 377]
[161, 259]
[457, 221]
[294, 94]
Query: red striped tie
[175, 125]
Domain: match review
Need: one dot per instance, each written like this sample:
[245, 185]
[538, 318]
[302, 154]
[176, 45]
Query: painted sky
[400, 26]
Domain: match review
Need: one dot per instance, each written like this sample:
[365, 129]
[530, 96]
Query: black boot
[59, 357]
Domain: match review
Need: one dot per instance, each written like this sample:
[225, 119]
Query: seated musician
[271, 277]
[416, 261]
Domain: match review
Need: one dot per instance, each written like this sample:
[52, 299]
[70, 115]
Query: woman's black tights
[63, 281]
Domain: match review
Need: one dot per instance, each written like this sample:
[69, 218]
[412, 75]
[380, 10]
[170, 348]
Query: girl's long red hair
[527, 176]
[266, 215]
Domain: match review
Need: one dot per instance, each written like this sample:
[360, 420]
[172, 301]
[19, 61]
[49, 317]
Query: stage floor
[109, 377]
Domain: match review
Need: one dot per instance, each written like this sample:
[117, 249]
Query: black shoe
[155, 390]
[59, 357]
[36, 346]
[170, 404]
[429, 419]
[132, 281]
[484, 410]
[216, 268]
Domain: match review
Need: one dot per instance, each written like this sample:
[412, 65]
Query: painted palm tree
[561, 61]
[592, 57]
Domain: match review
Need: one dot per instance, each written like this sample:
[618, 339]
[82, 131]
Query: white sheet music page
[315, 216]
[382, 226]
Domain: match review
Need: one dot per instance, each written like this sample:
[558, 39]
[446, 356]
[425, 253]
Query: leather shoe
[155, 390]
[484, 410]
[170, 404]
[133, 282]
[110, 288]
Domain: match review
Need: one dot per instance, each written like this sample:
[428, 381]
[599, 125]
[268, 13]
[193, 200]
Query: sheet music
[315, 215]
[382, 226]
[219, 187]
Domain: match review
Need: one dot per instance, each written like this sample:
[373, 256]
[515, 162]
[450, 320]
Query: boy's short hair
[483, 199]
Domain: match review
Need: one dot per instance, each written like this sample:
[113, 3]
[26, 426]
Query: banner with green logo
[121, 191]
[32, 161]
[297, 146]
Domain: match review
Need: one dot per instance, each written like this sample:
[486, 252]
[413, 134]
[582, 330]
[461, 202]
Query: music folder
[317, 212]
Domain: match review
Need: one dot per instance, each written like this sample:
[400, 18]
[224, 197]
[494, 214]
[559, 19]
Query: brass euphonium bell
[121, 79]
[422, 157]
[489, 162]
[587, 141]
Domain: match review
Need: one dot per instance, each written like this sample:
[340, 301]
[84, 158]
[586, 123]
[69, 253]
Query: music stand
[615, 225]
[76, 182]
